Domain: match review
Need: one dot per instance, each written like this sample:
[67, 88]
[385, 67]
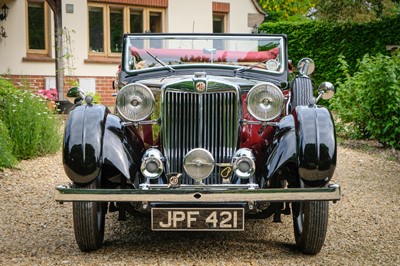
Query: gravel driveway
[364, 227]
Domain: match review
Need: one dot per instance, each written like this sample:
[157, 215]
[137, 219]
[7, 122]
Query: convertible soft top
[188, 55]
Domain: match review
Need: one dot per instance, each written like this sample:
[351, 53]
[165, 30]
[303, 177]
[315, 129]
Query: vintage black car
[209, 130]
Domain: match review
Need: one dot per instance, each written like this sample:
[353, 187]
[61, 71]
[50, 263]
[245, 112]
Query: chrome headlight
[265, 101]
[198, 164]
[135, 102]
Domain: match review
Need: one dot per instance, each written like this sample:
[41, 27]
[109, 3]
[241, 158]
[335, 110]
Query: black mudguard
[122, 147]
[92, 137]
[316, 144]
[284, 150]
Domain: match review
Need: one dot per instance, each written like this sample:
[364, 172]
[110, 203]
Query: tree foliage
[355, 10]
[279, 10]
[330, 10]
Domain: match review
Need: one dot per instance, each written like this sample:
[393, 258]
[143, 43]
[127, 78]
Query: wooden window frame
[46, 51]
[91, 53]
[124, 27]
[128, 14]
[147, 18]
[107, 7]
[224, 19]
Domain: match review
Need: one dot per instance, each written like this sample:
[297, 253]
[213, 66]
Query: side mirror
[326, 90]
[306, 66]
[75, 95]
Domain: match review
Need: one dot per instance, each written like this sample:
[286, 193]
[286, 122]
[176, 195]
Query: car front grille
[193, 120]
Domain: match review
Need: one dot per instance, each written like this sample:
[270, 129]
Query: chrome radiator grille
[192, 120]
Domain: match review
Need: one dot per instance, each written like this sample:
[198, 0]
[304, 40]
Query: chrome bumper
[218, 194]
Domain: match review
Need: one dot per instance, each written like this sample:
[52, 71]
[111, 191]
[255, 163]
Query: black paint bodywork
[316, 144]
[306, 141]
[93, 138]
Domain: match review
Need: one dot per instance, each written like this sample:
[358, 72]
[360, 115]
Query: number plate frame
[197, 219]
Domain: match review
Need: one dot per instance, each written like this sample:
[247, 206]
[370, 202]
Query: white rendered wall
[184, 16]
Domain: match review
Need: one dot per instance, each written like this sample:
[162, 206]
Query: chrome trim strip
[330, 193]
[202, 187]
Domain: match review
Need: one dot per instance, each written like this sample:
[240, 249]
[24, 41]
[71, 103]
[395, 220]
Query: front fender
[316, 144]
[122, 148]
[82, 144]
[284, 150]
[94, 137]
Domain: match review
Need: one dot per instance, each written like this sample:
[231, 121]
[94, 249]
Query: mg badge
[200, 87]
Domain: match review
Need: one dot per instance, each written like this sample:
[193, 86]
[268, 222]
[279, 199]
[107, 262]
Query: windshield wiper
[170, 69]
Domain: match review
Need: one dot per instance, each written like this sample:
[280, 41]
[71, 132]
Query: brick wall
[221, 7]
[103, 85]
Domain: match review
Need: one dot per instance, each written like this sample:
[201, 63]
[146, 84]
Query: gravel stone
[364, 227]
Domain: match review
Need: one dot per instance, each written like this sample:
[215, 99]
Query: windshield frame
[215, 65]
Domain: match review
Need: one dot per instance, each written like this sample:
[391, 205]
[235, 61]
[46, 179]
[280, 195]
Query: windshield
[241, 52]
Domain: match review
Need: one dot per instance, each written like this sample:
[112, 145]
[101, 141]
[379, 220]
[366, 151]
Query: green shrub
[33, 128]
[368, 102]
[7, 159]
[324, 42]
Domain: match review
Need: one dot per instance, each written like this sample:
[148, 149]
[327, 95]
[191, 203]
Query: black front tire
[310, 221]
[89, 223]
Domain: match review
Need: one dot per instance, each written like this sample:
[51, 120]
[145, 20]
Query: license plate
[196, 219]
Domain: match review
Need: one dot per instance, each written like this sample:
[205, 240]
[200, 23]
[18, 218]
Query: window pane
[136, 19]
[96, 33]
[116, 30]
[155, 27]
[218, 27]
[155, 22]
[36, 27]
[218, 24]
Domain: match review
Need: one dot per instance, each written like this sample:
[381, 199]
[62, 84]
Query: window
[218, 23]
[96, 30]
[136, 20]
[116, 29]
[219, 27]
[37, 27]
[108, 22]
[155, 22]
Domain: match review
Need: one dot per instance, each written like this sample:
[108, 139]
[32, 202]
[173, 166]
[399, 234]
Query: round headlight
[135, 102]
[265, 101]
[198, 164]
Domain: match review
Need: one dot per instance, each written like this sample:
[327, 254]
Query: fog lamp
[152, 166]
[198, 164]
[243, 163]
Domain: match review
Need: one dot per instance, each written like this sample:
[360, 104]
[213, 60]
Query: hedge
[324, 42]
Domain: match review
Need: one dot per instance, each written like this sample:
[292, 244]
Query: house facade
[92, 35]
